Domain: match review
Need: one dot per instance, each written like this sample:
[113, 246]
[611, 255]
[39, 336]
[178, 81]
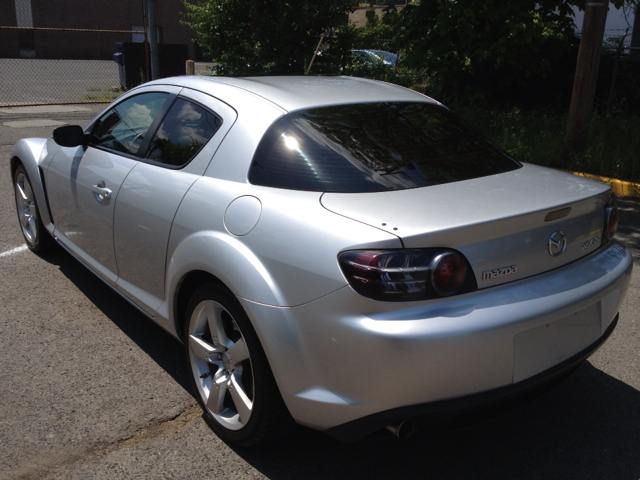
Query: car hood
[496, 221]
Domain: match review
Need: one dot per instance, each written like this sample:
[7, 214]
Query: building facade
[85, 29]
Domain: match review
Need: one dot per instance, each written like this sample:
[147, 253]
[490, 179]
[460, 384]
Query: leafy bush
[537, 137]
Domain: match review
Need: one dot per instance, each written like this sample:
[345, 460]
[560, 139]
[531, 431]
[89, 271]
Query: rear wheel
[37, 238]
[229, 370]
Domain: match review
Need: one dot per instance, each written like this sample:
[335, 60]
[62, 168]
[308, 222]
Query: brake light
[448, 273]
[406, 275]
[610, 219]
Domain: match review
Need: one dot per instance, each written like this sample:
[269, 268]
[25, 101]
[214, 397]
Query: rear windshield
[373, 147]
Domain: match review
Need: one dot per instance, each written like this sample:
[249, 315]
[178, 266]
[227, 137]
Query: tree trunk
[584, 84]
[635, 35]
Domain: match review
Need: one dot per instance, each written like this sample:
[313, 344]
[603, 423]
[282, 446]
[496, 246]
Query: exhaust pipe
[402, 429]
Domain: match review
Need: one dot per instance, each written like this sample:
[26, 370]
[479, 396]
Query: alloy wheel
[27, 209]
[221, 364]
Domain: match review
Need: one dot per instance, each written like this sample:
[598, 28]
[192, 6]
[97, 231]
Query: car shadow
[161, 346]
[586, 428]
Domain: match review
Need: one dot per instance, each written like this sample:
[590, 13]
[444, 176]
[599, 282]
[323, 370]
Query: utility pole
[584, 84]
[153, 38]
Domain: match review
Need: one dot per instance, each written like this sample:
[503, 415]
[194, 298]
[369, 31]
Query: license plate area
[543, 347]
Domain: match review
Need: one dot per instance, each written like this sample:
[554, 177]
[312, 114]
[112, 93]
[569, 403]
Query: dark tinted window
[183, 132]
[373, 147]
[123, 127]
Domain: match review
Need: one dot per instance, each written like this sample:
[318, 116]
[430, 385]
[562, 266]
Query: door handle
[100, 191]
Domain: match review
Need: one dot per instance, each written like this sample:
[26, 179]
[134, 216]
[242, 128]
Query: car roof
[298, 92]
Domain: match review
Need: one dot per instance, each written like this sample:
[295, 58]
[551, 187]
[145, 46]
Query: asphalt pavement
[90, 388]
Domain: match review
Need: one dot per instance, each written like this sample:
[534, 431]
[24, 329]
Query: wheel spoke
[204, 350]
[32, 225]
[216, 327]
[20, 190]
[25, 219]
[28, 193]
[219, 386]
[238, 352]
[240, 399]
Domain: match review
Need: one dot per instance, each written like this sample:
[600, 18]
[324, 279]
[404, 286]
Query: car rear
[507, 273]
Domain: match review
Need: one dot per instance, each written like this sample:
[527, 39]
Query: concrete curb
[618, 187]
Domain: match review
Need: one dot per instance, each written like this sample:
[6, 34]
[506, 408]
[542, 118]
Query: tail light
[406, 275]
[610, 220]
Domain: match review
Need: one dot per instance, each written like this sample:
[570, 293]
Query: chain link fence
[46, 75]
[69, 51]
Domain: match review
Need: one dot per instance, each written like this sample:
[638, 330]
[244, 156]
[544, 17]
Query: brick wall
[95, 15]
[8, 38]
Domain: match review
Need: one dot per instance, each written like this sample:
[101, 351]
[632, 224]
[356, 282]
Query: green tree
[465, 46]
[248, 37]
[376, 32]
[473, 49]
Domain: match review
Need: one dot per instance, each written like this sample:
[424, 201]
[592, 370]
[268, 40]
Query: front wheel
[229, 370]
[33, 231]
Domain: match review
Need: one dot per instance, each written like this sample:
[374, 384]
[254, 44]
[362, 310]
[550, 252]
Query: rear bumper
[345, 364]
[447, 412]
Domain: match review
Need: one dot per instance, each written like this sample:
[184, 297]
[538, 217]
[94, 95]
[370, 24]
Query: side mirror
[69, 136]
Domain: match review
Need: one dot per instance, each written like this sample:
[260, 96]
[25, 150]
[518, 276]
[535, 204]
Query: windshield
[373, 147]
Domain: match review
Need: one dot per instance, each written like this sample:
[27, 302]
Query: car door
[83, 182]
[177, 155]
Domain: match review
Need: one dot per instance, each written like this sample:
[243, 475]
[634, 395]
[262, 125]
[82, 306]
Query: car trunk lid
[509, 226]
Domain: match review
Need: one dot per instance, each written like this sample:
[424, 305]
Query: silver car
[335, 252]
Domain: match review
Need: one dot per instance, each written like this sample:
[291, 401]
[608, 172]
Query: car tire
[37, 237]
[229, 371]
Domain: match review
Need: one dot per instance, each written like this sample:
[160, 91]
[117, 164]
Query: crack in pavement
[44, 466]
[167, 428]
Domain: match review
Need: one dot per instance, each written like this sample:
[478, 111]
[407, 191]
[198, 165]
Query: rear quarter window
[186, 128]
[373, 147]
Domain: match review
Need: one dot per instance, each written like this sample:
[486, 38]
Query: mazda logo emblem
[557, 243]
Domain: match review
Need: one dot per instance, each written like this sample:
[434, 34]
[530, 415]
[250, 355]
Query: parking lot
[93, 389]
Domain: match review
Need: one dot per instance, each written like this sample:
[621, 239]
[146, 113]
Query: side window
[124, 126]
[184, 130]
